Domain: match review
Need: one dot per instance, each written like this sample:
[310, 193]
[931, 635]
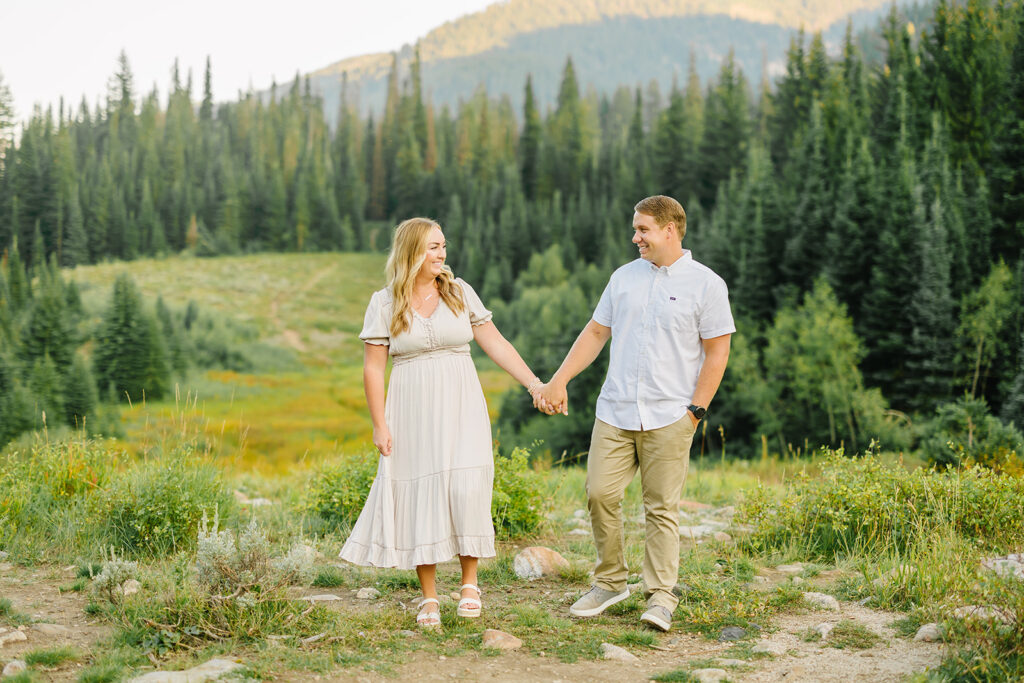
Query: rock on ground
[929, 633]
[12, 637]
[823, 629]
[50, 629]
[609, 651]
[790, 568]
[768, 647]
[323, 597]
[537, 561]
[1006, 566]
[982, 613]
[208, 671]
[710, 675]
[368, 593]
[501, 640]
[730, 633]
[821, 600]
[14, 667]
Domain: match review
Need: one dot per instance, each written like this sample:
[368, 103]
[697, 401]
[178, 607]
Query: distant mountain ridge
[633, 41]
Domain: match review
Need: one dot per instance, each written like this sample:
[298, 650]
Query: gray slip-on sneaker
[595, 601]
[659, 617]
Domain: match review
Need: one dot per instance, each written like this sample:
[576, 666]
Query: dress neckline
[432, 313]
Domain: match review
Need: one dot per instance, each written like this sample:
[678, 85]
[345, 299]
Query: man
[670, 324]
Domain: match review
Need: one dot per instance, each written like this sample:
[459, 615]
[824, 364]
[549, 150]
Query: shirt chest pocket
[679, 314]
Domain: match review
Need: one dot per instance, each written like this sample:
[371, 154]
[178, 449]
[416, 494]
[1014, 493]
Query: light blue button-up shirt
[658, 316]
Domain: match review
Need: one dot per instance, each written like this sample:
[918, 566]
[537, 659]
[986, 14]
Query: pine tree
[529, 143]
[47, 389]
[726, 129]
[49, 330]
[75, 249]
[129, 354]
[80, 395]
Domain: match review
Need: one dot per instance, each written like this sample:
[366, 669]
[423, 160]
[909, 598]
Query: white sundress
[431, 498]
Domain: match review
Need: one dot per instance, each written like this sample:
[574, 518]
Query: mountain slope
[612, 42]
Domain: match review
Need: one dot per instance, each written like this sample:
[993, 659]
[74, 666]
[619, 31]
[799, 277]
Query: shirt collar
[678, 266]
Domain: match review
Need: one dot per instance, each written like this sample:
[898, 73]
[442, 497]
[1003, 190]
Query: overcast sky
[70, 47]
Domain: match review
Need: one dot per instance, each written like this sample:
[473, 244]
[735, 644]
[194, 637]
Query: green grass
[329, 577]
[54, 656]
[11, 616]
[850, 634]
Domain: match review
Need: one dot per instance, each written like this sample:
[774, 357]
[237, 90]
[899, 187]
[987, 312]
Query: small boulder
[731, 633]
[823, 629]
[12, 637]
[694, 533]
[733, 662]
[3, 555]
[501, 640]
[323, 597]
[821, 600]
[537, 561]
[769, 648]
[208, 671]
[709, 675]
[1007, 566]
[929, 633]
[616, 653]
[721, 537]
[367, 593]
[982, 613]
[580, 514]
[50, 629]
[14, 668]
[790, 568]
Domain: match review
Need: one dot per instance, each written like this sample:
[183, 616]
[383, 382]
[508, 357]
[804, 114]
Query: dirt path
[291, 337]
[35, 593]
[59, 619]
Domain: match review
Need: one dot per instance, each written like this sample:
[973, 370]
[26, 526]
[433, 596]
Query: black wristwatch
[698, 411]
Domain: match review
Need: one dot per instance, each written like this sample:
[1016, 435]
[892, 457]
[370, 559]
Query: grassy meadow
[169, 502]
[307, 309]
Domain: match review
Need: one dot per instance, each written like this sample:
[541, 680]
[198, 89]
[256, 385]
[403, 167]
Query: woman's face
[436, 253]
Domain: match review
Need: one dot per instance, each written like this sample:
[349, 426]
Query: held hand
[382, 440]
[552, 398]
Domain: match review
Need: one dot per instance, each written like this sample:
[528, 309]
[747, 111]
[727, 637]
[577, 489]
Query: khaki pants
[663, 456]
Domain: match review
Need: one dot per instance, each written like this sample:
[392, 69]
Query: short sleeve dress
[431, 498]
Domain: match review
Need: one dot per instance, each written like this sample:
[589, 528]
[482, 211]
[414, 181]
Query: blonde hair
[408, 252]
[665, 210]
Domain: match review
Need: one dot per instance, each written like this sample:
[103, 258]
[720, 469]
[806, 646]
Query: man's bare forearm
[716, 357]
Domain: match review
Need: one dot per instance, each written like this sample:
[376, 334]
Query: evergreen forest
[866, 211]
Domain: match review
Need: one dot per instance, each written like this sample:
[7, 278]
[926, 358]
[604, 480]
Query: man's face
[653, 240]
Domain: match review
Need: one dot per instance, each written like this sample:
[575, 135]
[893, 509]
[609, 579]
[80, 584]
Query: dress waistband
[449, 351]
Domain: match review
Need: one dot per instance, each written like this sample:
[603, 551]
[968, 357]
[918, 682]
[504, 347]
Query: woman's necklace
[423, 299]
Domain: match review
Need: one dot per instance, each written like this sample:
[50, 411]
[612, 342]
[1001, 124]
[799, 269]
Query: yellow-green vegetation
[307, 311]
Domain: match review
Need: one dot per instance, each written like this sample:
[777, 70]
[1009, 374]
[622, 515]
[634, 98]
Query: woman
[431, 499]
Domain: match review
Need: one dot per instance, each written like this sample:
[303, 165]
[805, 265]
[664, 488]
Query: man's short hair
[664, 210]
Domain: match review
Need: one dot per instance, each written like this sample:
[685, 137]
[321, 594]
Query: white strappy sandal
[431, 619]
[470, 608]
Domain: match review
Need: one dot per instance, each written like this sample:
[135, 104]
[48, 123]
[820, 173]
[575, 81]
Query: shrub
[338, 492]
[861, 504]
[156, 507]
[517, 504]
[47, 480]
[963, 432]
